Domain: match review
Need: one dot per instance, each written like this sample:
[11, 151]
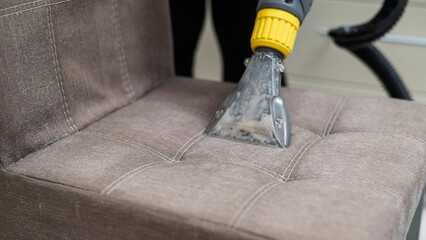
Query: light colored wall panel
[208, 59]
[317, 63]
[317, 57]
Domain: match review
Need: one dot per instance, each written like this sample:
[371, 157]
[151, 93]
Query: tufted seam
[266, 171]
[166, 215]
[249, 202]
[333, 116]
[57, 70]
[300, 157]
[327, 130]
[293, 126]
[252, 200]
[131, 143]
[187, 142]
[301, 151]
[336, 115]
[123, 178]
[126, 176]
[190, 145]
[122, 54]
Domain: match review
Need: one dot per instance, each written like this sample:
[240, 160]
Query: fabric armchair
[100, 140]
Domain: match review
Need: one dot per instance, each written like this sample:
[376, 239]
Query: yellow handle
[275, 28]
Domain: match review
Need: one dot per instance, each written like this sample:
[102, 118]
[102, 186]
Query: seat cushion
[355, 168]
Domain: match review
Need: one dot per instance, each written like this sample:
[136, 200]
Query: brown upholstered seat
[143, 169]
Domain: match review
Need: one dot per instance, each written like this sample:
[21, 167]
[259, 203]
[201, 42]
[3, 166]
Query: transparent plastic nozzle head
[255, 112]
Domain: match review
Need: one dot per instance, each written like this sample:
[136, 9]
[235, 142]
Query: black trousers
[233, 22]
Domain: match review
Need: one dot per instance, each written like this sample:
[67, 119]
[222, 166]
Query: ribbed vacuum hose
[357, 39]
[383, 70]
[381, 23]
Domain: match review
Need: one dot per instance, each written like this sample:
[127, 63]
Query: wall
[316, 63]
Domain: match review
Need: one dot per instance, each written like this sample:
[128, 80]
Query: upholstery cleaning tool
[255, 112]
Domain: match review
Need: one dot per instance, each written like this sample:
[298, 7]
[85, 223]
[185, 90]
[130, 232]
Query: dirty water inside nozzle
[255, 112]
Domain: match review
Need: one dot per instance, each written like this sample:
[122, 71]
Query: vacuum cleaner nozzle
[255, 112]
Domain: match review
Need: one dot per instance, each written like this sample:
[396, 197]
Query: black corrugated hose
[358, 40]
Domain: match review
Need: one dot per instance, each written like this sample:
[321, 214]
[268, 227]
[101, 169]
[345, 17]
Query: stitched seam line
[122, 55]
[20, 5]
[304, 129]
[30, 9]
[331, 116]
[249, 203]
[361, 181]
[253, 234]
[123, 178]
[327, 130]
[57, 70]
[252, 200]
[342, 103]
[300, 157]
[189, 146]
[174, 157]
[297, 154]
[131, 143]
[273, 174]
[117, 182]
[57, 139]
[246, 206]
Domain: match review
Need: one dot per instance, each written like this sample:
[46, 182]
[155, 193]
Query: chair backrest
[66, 63]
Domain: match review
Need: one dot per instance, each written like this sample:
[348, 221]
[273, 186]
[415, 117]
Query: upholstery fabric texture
[99, 140]
[66, 63]
[355, 168]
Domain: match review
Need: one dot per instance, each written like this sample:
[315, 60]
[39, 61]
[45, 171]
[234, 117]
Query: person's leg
[187, 21]
[234, 22]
